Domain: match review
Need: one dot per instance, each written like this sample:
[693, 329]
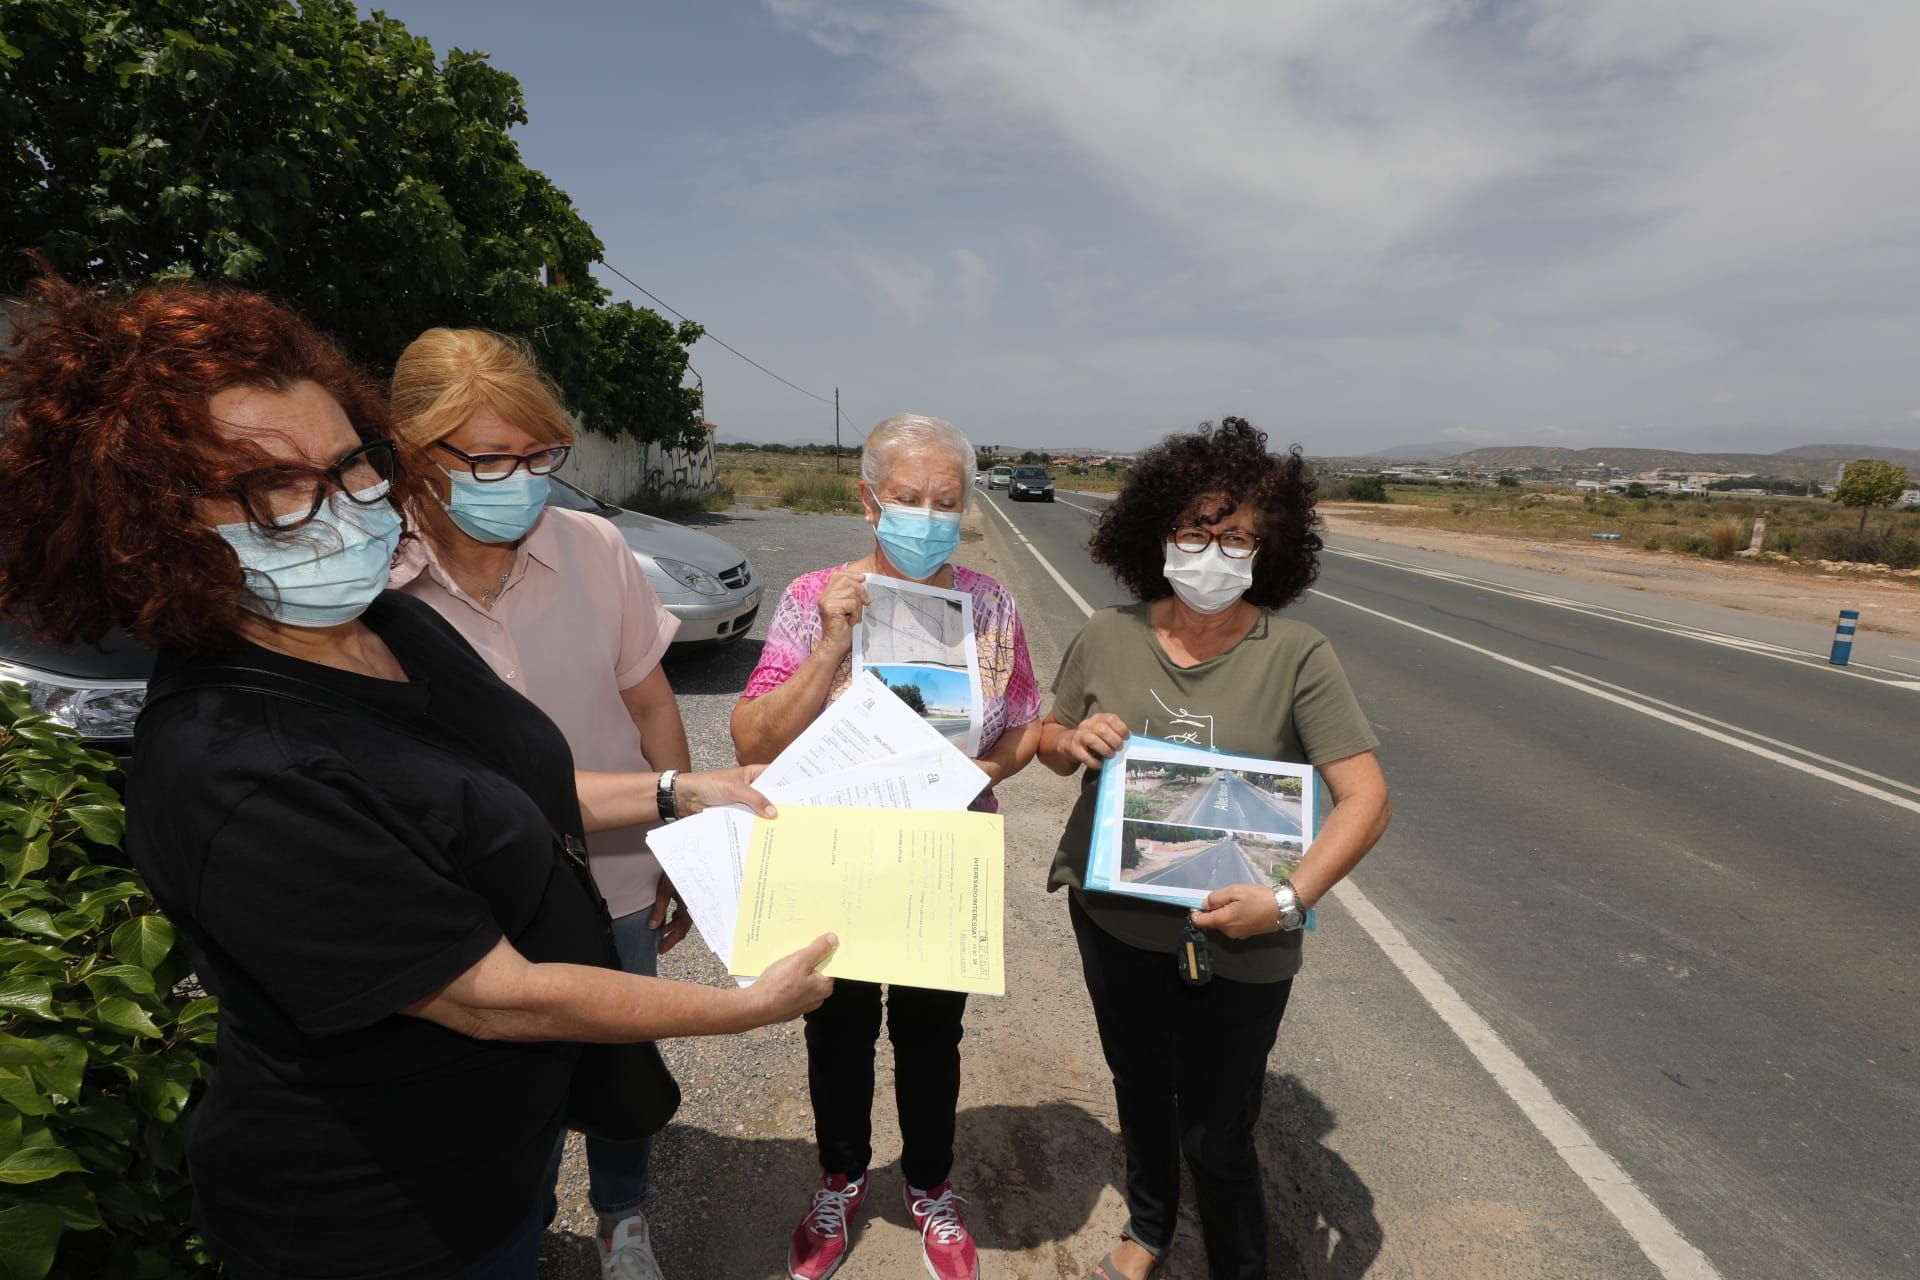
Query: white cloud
[973, 281]
[900, 283]
[1640, 145]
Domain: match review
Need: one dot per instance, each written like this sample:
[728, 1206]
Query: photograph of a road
[1216, 866]
[937, 695]
[1162, 855]
[1228, 800]
[912, 627]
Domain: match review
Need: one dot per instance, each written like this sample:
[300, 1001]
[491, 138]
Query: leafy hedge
[98, 1054]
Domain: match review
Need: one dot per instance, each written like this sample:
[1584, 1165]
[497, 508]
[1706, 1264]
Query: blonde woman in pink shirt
[554, 602]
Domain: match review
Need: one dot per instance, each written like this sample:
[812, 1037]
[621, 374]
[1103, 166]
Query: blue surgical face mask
[497, 510]
[327, 571]
[917, 540]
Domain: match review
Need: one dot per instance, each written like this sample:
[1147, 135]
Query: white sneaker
[630, 1255]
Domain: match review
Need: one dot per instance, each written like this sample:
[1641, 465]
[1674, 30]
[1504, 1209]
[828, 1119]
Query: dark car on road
[702, 580]
[1031, 483]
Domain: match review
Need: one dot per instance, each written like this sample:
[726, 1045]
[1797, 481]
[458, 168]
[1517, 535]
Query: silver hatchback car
[702, 580]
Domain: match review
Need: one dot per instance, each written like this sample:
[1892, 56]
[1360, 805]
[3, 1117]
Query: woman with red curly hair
[365, 835]
[1214, 536]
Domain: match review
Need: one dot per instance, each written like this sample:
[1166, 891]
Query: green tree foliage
[98, 1054]
[326, 158]
[1367, 489]
[1508, 482]
[910, 694]
[1869, 483]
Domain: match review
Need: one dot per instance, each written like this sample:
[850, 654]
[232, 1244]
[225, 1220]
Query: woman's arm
[1359, 817]
[663, 736]
[1012, 753]
[1094, 739]
[609, 801]
[766, 725]
[505, 996]
[656, 714]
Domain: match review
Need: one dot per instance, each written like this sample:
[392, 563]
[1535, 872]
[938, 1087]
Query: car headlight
[98, 712]
[690, 576]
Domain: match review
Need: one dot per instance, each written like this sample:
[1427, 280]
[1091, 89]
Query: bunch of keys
[1192, 958]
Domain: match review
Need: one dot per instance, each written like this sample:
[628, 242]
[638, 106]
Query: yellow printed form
[917, 896]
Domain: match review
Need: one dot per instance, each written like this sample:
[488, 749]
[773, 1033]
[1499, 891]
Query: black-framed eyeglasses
[1234, 544]
[491, 467]
[288, 495]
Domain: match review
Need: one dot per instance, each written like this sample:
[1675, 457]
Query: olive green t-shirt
[1279, 695]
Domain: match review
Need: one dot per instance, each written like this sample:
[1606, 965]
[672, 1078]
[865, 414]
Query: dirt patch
[1890, 606]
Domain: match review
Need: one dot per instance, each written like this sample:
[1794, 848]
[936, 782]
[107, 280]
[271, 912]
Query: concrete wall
[619, 470]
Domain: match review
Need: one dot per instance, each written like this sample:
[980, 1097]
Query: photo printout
[918, 641]
[1174, 823]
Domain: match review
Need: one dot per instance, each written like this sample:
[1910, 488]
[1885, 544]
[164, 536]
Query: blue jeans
[617, 1171]
[515, 1258]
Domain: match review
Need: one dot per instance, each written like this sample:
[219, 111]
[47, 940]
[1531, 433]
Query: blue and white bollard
[1843, 637]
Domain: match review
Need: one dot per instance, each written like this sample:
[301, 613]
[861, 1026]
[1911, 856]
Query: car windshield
[562, 494]
[1003, 471]
[1030, 473]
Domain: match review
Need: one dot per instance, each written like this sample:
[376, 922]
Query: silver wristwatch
[1293, 912]
[664, 798]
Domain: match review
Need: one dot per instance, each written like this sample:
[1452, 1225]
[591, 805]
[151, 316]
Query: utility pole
[836, 431]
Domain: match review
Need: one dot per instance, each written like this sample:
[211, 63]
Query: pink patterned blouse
[1007, 687]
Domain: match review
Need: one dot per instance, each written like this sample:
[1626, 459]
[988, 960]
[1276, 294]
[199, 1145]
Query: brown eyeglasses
[1234, 545]
[491, 467]
[288, 495]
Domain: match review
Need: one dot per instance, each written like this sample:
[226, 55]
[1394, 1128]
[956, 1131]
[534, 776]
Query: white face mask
[1210, 580]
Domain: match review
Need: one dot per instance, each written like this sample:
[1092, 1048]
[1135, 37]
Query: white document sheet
[927, 780]
[867, 750]
[869, 731]
[706, 858]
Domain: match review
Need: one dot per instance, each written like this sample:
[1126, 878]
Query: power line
[720, 342]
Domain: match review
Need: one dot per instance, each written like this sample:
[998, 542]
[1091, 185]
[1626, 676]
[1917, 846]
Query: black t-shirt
[331, 870]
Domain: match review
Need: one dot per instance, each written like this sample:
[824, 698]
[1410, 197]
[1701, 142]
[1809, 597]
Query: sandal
[1108, 1269]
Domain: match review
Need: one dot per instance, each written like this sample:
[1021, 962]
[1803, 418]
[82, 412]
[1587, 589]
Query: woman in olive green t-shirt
[1213, 535]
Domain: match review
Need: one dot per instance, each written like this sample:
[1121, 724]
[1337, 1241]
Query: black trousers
[925, 1028]
[1189, 1065]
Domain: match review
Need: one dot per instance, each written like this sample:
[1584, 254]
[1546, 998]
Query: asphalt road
[1676, 873]
[1231, 801]
[1214, 867]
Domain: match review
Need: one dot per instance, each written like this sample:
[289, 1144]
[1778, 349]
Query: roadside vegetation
[104, 1038]
[1714, 526]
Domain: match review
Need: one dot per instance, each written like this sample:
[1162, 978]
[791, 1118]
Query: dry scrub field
[1717, 527]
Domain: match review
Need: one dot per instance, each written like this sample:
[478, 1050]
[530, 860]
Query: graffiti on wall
[623, 471]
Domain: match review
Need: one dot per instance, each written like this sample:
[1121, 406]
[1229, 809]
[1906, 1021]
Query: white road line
[1611, 1185]
[1046, 564]
[1626, 617]
[1752, 748]
[1758, 737]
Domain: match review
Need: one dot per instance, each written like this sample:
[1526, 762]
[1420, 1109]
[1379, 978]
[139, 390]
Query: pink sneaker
[945, 1243]
[819, 1243]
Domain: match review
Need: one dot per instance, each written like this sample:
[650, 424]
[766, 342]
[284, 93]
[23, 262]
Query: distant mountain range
[1805, 462]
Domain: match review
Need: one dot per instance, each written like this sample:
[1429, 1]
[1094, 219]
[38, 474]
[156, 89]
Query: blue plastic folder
[1198, 820]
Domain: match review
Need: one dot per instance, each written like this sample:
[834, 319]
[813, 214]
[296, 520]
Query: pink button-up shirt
[576, 624]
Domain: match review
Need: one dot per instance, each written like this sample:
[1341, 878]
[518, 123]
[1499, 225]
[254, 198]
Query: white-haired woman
[915, 479]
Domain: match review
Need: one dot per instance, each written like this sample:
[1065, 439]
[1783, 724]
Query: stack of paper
[870, 846]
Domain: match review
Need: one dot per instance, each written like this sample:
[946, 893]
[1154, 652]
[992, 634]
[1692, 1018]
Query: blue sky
[1356, 222]
[940, 687]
